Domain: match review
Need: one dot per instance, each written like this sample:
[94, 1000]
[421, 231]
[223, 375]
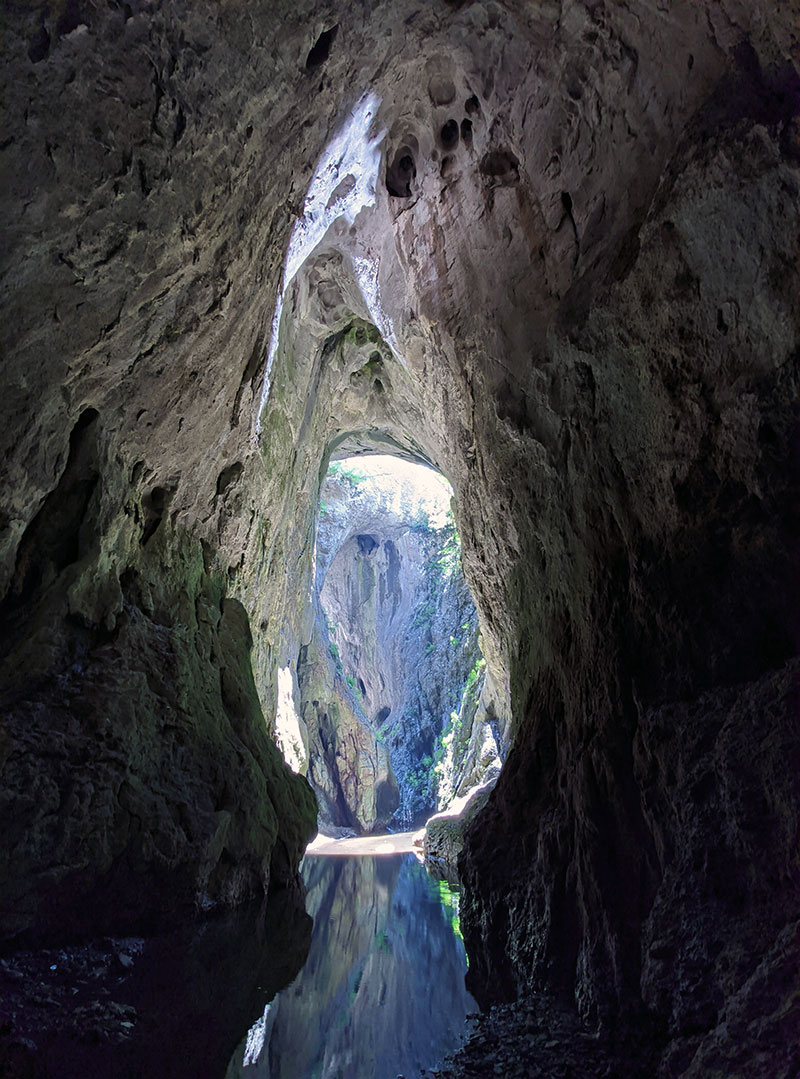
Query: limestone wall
[566, 275]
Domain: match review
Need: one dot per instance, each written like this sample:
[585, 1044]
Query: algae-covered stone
[444, 832]
[141, 781]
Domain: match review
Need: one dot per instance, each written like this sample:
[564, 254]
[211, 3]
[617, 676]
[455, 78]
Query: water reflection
[171, 1005]
[382, 991]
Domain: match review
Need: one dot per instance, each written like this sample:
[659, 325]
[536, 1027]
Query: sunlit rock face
[348, 767]
[573, 289]
[393, 729]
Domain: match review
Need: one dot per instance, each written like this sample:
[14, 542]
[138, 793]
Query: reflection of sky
[403, 484]
[343, 184]
[382, 992]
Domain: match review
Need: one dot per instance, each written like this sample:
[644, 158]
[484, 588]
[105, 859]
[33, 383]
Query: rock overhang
[567, 357]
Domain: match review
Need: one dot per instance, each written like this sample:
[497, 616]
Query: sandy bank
[399, 843]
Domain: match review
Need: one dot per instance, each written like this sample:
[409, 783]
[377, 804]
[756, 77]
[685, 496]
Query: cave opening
[389, 714]
[548, 249]
[390, 709]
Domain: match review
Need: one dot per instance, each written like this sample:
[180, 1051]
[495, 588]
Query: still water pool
[382, 991]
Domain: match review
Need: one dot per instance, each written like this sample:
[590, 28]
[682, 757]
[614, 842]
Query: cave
[549, 250]
[395, 634]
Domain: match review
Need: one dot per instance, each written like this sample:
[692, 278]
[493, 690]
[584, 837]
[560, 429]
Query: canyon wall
[382, 685]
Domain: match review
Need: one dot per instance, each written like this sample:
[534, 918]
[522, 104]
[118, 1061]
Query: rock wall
[394, 644]
[138, 778]
[348, 767]
[563, 270]
[685, 625]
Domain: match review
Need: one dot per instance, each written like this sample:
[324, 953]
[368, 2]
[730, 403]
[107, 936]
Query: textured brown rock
[575, 292]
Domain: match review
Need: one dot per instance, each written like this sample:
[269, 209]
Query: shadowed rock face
[574, 292]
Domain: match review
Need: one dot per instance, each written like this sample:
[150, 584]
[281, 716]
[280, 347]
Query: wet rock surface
[172, 1004]
[575, 293]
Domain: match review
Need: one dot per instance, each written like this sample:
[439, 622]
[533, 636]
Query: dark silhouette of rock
[582, 309]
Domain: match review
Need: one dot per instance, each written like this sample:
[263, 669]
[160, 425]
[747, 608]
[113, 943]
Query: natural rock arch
[589, 323]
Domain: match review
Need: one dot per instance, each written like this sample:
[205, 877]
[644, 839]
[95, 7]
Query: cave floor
[537, 1038]
[399, 843]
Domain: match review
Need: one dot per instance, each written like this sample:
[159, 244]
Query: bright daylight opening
[391, 725]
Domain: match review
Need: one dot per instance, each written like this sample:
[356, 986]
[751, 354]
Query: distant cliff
[390, 683]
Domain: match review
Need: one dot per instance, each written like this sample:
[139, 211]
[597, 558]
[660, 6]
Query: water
[382, 992]
[175, 1008]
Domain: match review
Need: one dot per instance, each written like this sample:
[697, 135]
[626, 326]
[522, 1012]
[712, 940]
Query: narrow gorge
[548, 251]
[390, 714]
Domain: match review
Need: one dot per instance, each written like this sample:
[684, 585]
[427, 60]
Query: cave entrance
[385, 707]
[391, 683]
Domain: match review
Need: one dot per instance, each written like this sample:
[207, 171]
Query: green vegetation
[418, 778]
[449, 898]
[352, 683]
[360, 333]
[350, 475]
[422, 521]
[333, 648]
[423, 615]
[472, 686]
[390, 732]
[443, 743]
[449, 559]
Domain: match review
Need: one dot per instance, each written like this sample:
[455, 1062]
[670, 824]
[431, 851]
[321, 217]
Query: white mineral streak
[366, 271]
[255, 1040]
[343, 184]
[290, 732]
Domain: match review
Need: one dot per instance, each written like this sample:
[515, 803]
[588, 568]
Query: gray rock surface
[382, 686]
[574, 292]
